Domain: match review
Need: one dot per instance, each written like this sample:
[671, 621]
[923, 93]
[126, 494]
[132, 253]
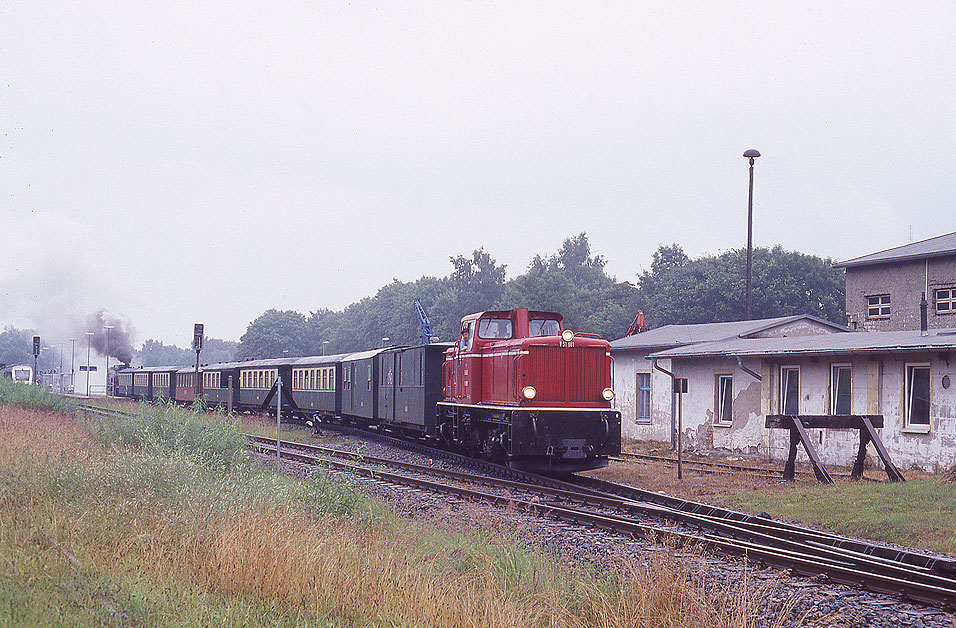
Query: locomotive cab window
[544, 327]
[467, 331]
[495, 328]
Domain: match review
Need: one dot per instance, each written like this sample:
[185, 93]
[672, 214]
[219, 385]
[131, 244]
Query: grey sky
[191, 162]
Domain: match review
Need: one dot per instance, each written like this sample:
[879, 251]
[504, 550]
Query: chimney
[922, 316]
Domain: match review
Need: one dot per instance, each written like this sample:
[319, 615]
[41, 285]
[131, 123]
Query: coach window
[368, 381]
[841, 399]
[494, 328]
[916, 396]
[790, 390]
[724, 414]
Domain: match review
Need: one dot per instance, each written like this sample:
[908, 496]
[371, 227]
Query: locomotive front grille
[569, 374]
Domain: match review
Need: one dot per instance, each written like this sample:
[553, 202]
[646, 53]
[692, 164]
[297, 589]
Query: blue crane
[425, 325]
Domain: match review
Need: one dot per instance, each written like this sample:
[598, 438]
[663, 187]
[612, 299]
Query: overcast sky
[176, 163]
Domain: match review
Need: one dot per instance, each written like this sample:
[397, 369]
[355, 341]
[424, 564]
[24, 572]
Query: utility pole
[89, 336]
[107, 328]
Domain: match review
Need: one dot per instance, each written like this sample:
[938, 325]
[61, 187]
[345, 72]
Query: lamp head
[752, 153]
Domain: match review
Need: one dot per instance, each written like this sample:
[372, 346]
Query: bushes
[23, 395]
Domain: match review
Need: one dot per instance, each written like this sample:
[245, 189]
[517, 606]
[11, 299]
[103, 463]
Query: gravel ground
[802, 601]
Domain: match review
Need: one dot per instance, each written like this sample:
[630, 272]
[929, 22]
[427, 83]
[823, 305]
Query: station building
[738, 373]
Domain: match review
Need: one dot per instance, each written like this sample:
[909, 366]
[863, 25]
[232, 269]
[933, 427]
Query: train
[18, 373]
[516, 388]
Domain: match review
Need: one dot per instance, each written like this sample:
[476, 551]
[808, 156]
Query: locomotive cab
[520, 388]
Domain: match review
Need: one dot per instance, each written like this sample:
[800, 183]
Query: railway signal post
[197, 347]
[36, 359]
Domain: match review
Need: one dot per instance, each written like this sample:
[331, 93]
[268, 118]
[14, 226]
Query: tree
[155, 353]
[274, 334]
[712, 288]
[573, 283]
[475, 285]
[16, 347]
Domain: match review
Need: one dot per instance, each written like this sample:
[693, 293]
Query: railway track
[912, 575]
[592, 502]
[708, 466]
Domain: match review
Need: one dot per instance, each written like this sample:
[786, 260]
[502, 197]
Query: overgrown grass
[169, 429]
[161, 521]
[22, 395]
[919, 513]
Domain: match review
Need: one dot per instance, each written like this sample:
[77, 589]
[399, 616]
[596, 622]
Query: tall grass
[23, 395]
[169, 429]
[167, 525]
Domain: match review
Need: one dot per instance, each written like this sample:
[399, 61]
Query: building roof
[682, 335]
[852, 343]
[932, 247]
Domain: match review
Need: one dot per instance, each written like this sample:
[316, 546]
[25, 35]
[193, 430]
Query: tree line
[16, 347]
[572, 281]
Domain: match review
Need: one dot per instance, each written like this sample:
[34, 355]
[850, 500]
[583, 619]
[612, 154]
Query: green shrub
[24, 395]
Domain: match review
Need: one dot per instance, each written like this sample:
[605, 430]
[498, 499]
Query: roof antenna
[911, 234]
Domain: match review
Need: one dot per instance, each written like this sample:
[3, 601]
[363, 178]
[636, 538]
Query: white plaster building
[803, 367]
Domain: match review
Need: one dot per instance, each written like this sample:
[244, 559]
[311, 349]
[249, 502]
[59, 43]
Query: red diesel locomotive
[521, 389]
[516, 388]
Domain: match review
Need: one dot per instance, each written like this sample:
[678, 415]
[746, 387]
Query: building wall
[627, 364]
[876, 388]
[904, 281]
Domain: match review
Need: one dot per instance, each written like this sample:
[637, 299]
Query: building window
[878, 306]
[840, 392]
[724, 414]
[643, 397]
[790, 390]
[946, 301]
[916, 393]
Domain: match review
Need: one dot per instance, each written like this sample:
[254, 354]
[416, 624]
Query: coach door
[386, 386]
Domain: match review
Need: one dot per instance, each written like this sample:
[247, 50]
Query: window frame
[638, 397]
[719, 399]
[486, 322]
[950, 300]
[834, 385]
[907, 401]
[884, 303]
[782, 397]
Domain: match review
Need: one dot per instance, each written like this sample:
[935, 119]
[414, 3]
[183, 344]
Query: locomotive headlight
[608, 394]
[529, 392]
[567, 335]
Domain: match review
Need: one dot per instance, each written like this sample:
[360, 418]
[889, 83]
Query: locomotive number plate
[567, 344]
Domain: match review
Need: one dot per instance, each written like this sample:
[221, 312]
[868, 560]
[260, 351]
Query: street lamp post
[107, 328]
[72, 364]
[750, 154]
[89, 337]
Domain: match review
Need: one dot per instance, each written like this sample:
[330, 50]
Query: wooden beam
[891, 471]
[815, 462]
[824, 421]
